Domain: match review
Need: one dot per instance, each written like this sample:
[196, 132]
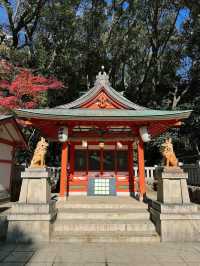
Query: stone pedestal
[35, 187]
[32, 216]
[172, 185]
[176, 219]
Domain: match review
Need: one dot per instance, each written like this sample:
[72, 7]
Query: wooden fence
[193, 171]
[149, 173]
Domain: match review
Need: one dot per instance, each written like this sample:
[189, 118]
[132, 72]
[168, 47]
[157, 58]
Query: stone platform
[175, 217]
[31, 218]
[103, 219]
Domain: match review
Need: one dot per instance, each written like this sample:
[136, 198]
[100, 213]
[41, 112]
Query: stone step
[101, 202]
[106, 237]
[90, 225]
[63, 205]
[102, 214]
[103, 219]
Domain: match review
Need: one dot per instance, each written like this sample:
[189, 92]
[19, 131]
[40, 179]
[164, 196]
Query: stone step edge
[104, 232]
[98, 210]
[123, 240]
[100, 206]
[107, 219]
[102, 221]
[103, 215]
[117, 233]
[97, 216]
[106, 237]
[110, 230]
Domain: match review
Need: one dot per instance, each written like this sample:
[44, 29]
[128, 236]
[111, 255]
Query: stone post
[175, 217]
[32, 216]
[172, 185]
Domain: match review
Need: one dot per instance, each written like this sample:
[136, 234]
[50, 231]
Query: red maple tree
[24, 90]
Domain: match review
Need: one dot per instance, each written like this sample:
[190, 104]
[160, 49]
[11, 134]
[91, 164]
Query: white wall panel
[12, 131]
[4, 134]
[5, 152]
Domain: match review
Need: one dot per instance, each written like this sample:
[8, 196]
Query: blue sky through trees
[184, 14]
[181, 18]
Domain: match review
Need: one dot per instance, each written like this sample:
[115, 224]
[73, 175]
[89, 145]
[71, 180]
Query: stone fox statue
[38, 160]
[168, 153]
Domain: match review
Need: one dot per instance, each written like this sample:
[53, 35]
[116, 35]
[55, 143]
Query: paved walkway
[169, 254]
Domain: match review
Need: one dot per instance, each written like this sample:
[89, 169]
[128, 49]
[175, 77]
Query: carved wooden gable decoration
[102, 101]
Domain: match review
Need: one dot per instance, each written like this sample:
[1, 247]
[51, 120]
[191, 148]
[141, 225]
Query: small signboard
[102, 187]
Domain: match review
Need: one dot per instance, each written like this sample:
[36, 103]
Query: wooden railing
[149, 174]
[193, 171]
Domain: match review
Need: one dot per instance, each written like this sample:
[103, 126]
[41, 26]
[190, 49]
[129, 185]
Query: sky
[184, 14]
[3, 16]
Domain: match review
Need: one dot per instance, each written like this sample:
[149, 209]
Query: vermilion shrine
[100, 130]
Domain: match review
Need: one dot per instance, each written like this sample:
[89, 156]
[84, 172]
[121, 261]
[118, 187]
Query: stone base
[176, 222]
[172, 185]
[31, 222]
[35, 187]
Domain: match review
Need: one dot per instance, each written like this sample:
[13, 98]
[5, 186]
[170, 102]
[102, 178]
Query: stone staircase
[103, 219]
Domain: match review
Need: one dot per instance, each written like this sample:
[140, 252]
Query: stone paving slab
[19, 257]
[11, 264]
[44, 254]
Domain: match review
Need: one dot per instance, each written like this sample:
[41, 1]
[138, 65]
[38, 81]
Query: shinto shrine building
[99, 132]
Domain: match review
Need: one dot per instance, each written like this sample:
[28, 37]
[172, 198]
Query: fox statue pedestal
[31, 217]
[172, 185]
[175, 217]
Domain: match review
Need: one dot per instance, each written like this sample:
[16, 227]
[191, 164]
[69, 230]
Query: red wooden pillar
[131, 172]
[72, 158]
[141, 169]
[101, 161]
[63, 177]
[115, 158]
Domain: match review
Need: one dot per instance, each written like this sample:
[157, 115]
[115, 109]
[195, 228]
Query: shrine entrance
[101, 165]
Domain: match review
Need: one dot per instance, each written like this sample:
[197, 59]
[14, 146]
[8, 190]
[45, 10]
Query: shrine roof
[102, 114]
[84, 108]
[102, 83]
[11, 132]
[3, 117]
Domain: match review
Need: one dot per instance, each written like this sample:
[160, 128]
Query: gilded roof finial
[102, 79]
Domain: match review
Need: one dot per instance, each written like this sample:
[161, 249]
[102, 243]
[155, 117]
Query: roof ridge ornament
[102, 79]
